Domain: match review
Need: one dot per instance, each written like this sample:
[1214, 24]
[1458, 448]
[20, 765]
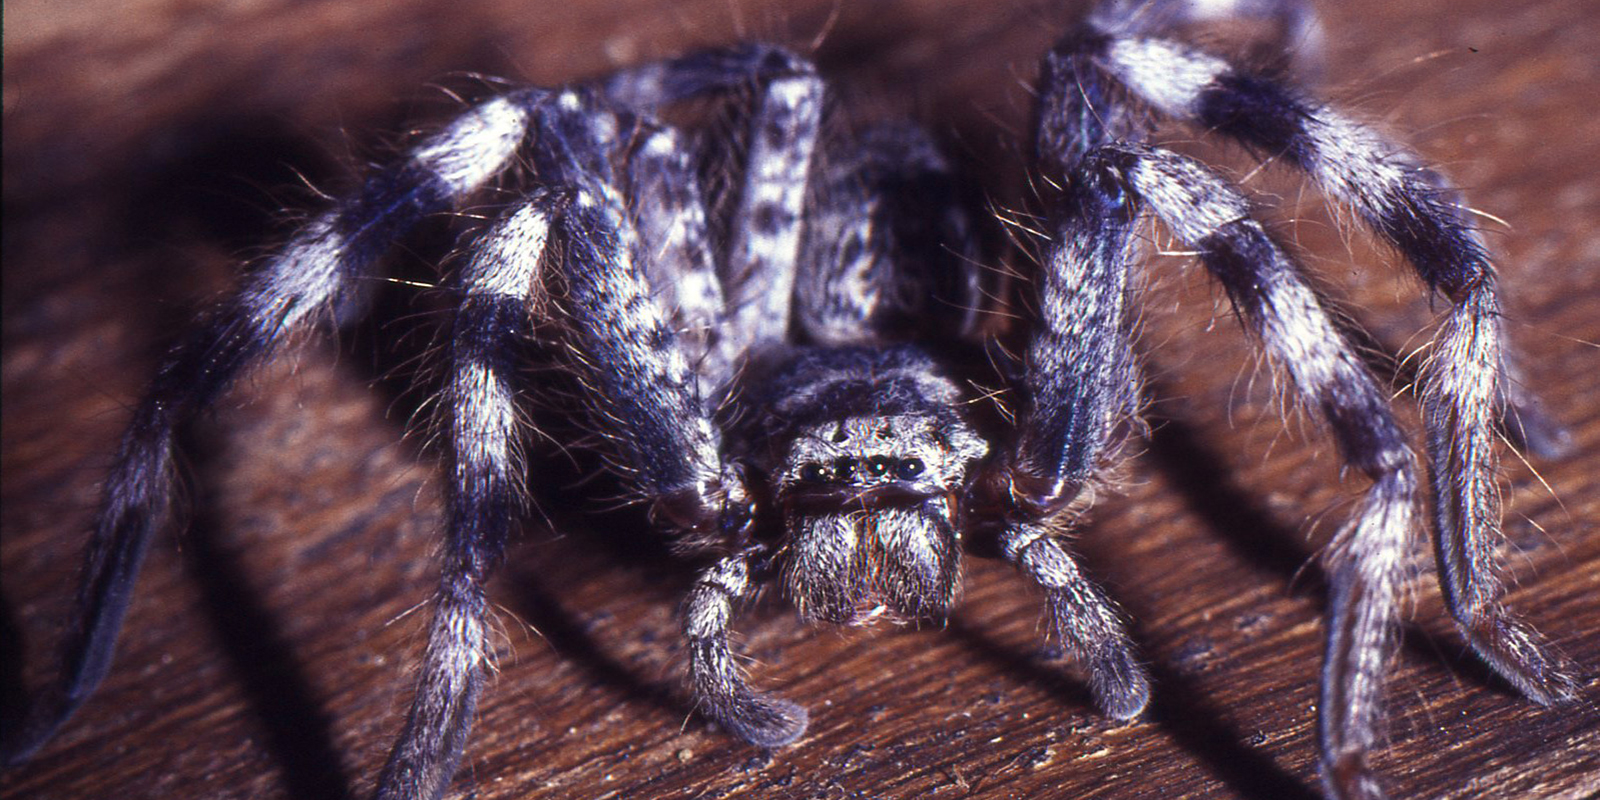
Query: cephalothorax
[783, 359]
[876, 461]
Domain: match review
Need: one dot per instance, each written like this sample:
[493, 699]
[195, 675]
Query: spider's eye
[845, 468]
[1116, 196]
[813, 472]
[878, 466]
[909, 468]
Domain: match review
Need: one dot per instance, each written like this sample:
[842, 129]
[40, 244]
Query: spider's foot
[35, 726]
[1120, 685]
[1347, 777]
[17, 750]
[764, 721]
[1518, 653]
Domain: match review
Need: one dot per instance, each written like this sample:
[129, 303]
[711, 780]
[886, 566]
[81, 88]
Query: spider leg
[640, 372]
[669, 210]
[1079, 367]
[784, 125]
[318, 270]
[764, 234]
[644, 384]
[758, 274]
[647, 389]
[757, 265]
[1078, 388]
[1299, 31]
[719, 685]
[1365, 561]
[1467, 383]
[497, 307]
[643, 380]
[715, 71]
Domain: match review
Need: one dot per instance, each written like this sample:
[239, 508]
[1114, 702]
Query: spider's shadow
[299, 732]
[13, 692]
[624, 541]
[1177, 704]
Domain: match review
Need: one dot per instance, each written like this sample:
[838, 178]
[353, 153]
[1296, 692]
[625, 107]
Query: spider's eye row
[844, 468]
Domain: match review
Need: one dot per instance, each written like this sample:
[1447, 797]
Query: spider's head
[869, 507]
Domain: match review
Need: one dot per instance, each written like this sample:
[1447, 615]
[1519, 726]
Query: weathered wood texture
[269, 651]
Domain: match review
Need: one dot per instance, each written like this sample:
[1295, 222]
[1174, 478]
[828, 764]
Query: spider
[783, 365]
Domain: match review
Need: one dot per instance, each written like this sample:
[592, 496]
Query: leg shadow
[298, 730]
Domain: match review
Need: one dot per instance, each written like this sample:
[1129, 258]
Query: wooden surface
[148, 145]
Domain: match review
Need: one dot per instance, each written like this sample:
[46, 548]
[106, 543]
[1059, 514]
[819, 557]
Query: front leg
[1079, 381]
[646, 396]
[642, 384]
[1080, 387]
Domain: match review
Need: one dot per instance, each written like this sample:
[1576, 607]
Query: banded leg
[318, 270]
[675, 251]
[486, 497]
[1366, 558]
[1299, 31]
[723, 70]
[1465, 384]
[643, 377]
[720, 689]
[1079, 388]
[1085, 78]
[1079, 376]
[641, 382]
[757, 270]
[764, 235]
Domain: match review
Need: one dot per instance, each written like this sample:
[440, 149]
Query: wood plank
[270, 649]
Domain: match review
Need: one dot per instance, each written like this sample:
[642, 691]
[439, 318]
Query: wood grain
[150, 143]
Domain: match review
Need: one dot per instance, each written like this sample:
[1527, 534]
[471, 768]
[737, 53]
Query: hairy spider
[783, 364]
